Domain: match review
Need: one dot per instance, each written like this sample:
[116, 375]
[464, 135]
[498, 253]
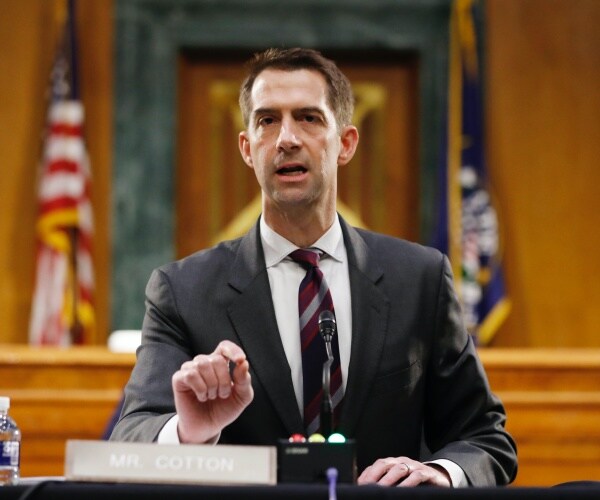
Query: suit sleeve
[148, 396]
[464, 420]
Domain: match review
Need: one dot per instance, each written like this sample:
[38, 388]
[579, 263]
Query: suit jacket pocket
[397, 381]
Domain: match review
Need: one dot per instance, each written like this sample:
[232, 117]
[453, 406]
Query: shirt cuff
[169, 435]
[458, 477]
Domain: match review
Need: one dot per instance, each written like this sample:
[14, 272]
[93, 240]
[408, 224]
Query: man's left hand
[403, 471]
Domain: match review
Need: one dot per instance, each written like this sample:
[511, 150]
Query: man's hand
[402, 471]
[208, 396]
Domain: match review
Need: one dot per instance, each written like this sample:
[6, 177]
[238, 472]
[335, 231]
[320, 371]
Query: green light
[336, 437]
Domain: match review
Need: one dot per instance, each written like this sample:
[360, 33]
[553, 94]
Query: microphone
[327, 329]
[327, 326]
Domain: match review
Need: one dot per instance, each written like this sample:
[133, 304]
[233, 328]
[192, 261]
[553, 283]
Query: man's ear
[244, 145]
[349, 142]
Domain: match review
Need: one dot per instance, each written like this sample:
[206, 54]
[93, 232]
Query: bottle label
[9, 453]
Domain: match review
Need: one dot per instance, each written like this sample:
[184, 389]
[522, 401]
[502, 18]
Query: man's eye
[265, 120]
[310, 118]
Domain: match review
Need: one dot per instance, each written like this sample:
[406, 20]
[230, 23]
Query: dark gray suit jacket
[414, 375]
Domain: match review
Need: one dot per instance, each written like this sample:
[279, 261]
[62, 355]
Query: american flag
[62, 310]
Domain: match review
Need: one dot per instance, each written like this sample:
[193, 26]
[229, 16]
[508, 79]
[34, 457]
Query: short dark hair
[340, 97]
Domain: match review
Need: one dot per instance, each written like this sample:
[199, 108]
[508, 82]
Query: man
[409, 373]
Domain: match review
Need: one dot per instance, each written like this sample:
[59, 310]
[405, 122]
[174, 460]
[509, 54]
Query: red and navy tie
[314, 297]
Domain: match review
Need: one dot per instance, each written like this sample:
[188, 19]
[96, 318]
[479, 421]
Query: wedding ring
[407, 467]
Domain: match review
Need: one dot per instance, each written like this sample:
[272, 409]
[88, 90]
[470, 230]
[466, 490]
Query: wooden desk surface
[552, 399]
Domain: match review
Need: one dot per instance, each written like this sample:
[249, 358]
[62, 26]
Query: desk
[58, 394]
[552, 398]
[101, 491]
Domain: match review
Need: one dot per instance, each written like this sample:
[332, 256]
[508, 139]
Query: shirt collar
[277, 248]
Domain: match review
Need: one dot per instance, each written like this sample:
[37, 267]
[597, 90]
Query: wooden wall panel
[543, 110]
[25, 33]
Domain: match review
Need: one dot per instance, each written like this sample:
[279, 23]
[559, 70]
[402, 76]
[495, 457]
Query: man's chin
[294, 198]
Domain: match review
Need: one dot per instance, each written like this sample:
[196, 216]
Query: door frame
[150, 35]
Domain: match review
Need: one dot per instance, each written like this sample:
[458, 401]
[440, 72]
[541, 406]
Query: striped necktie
[314, 297]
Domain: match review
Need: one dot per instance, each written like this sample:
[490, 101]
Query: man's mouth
[291, 170]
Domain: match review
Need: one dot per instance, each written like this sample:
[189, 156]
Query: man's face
[292, 141]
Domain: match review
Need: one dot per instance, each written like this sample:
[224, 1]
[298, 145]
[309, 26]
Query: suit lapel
[253, 318]
[370, 312]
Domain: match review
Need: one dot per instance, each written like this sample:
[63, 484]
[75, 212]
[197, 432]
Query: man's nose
[288, 138]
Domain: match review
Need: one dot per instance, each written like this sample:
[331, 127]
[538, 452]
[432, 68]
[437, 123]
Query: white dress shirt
[285, 276]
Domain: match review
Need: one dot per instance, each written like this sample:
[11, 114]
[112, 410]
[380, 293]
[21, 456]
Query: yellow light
[316, 438]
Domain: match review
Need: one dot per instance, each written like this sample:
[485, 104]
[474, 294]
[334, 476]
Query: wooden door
[217, 196]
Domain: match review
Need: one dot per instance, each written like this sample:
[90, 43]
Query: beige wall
[543, 119]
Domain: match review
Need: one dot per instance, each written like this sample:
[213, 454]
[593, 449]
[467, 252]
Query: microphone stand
[326, 403]
[327, 329]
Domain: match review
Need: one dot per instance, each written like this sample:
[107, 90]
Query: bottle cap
[4, 403]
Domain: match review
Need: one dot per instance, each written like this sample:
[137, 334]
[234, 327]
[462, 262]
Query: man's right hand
[208, 396]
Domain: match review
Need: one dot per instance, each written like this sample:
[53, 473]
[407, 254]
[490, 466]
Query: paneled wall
[543, 65]
[543, 80]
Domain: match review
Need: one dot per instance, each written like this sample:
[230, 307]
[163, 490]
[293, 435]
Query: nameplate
[162, 463]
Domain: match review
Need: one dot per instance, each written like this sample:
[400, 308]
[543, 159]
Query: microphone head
[327, 325]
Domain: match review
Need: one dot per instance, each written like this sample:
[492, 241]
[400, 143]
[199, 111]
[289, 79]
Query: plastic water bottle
[10, 445]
